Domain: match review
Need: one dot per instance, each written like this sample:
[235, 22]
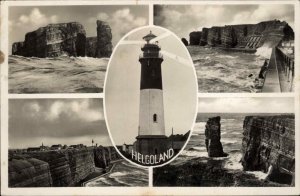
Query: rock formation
[269, 146]
[213, 137]
[65, 39]
[268, 33]
[28, 172]
[104, 36]
[91, 46]
[197, 172]
[60, 168]
[195, 37]
[184, 41]
[53, 40]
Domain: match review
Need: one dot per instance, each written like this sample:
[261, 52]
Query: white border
[130, 190]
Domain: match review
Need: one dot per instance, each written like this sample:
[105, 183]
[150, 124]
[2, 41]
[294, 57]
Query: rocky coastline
[59, 168]
[244, 37]
[68, 39]
[268, 146]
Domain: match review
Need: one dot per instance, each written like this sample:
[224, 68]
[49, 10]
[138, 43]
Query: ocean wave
[258, 174]
[222, 72]
[67, 74]
[226, 56]
[264, 52]
[233, 161]
[194, 153]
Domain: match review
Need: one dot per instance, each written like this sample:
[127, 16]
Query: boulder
[213, 137]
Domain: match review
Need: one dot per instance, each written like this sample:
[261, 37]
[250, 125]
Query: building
[56, 147]
[127, 148]
[151, 139]
[33, 149]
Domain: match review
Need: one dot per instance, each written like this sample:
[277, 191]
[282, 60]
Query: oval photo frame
[150, 96]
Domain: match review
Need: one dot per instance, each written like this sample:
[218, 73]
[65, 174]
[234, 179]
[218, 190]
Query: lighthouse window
[154, 117]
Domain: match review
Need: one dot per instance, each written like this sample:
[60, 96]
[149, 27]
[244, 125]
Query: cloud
[67, 121]
[182, 19]
[121, 21]
[35, 19]
[80, 110]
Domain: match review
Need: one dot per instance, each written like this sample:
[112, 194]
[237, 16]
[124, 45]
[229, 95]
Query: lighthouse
[151, 139]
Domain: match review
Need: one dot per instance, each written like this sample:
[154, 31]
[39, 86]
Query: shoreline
[83, 184]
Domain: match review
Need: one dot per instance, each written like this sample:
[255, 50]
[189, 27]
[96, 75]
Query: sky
[246, 105]
[183, 19]
[121, 18]
[122, 88]
[56, 121]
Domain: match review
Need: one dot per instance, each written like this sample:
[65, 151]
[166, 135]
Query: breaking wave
[62, 74]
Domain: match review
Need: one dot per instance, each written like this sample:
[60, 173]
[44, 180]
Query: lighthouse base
[151, 144]
[152, 149]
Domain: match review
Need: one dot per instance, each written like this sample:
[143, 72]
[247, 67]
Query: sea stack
[104, 36]
[213, 136]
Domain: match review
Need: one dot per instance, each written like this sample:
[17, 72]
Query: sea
[226, 71]
[123, 174]
[231, 139]
[62, 74]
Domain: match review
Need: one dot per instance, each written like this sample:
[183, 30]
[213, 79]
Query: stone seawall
[269, 146]
[65, 39]
[59, 168]
[248, 36]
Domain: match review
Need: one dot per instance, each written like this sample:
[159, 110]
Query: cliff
[65, 39]
[268, 33]
[213, 136]
[104, 36]
[60, 168]
[198, 172]
[269, 146]
[28, 172]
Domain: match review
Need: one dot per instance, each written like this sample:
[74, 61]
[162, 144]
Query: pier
[281, 71]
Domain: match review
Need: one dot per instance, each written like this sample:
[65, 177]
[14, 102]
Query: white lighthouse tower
[151, 137]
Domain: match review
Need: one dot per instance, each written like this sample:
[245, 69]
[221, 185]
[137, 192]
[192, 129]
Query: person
[263, 69]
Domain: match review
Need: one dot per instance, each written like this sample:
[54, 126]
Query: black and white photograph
[236, 48]
[150, 96]
[64, 143]
[65, 49]
[237, 142]
[177, 97]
